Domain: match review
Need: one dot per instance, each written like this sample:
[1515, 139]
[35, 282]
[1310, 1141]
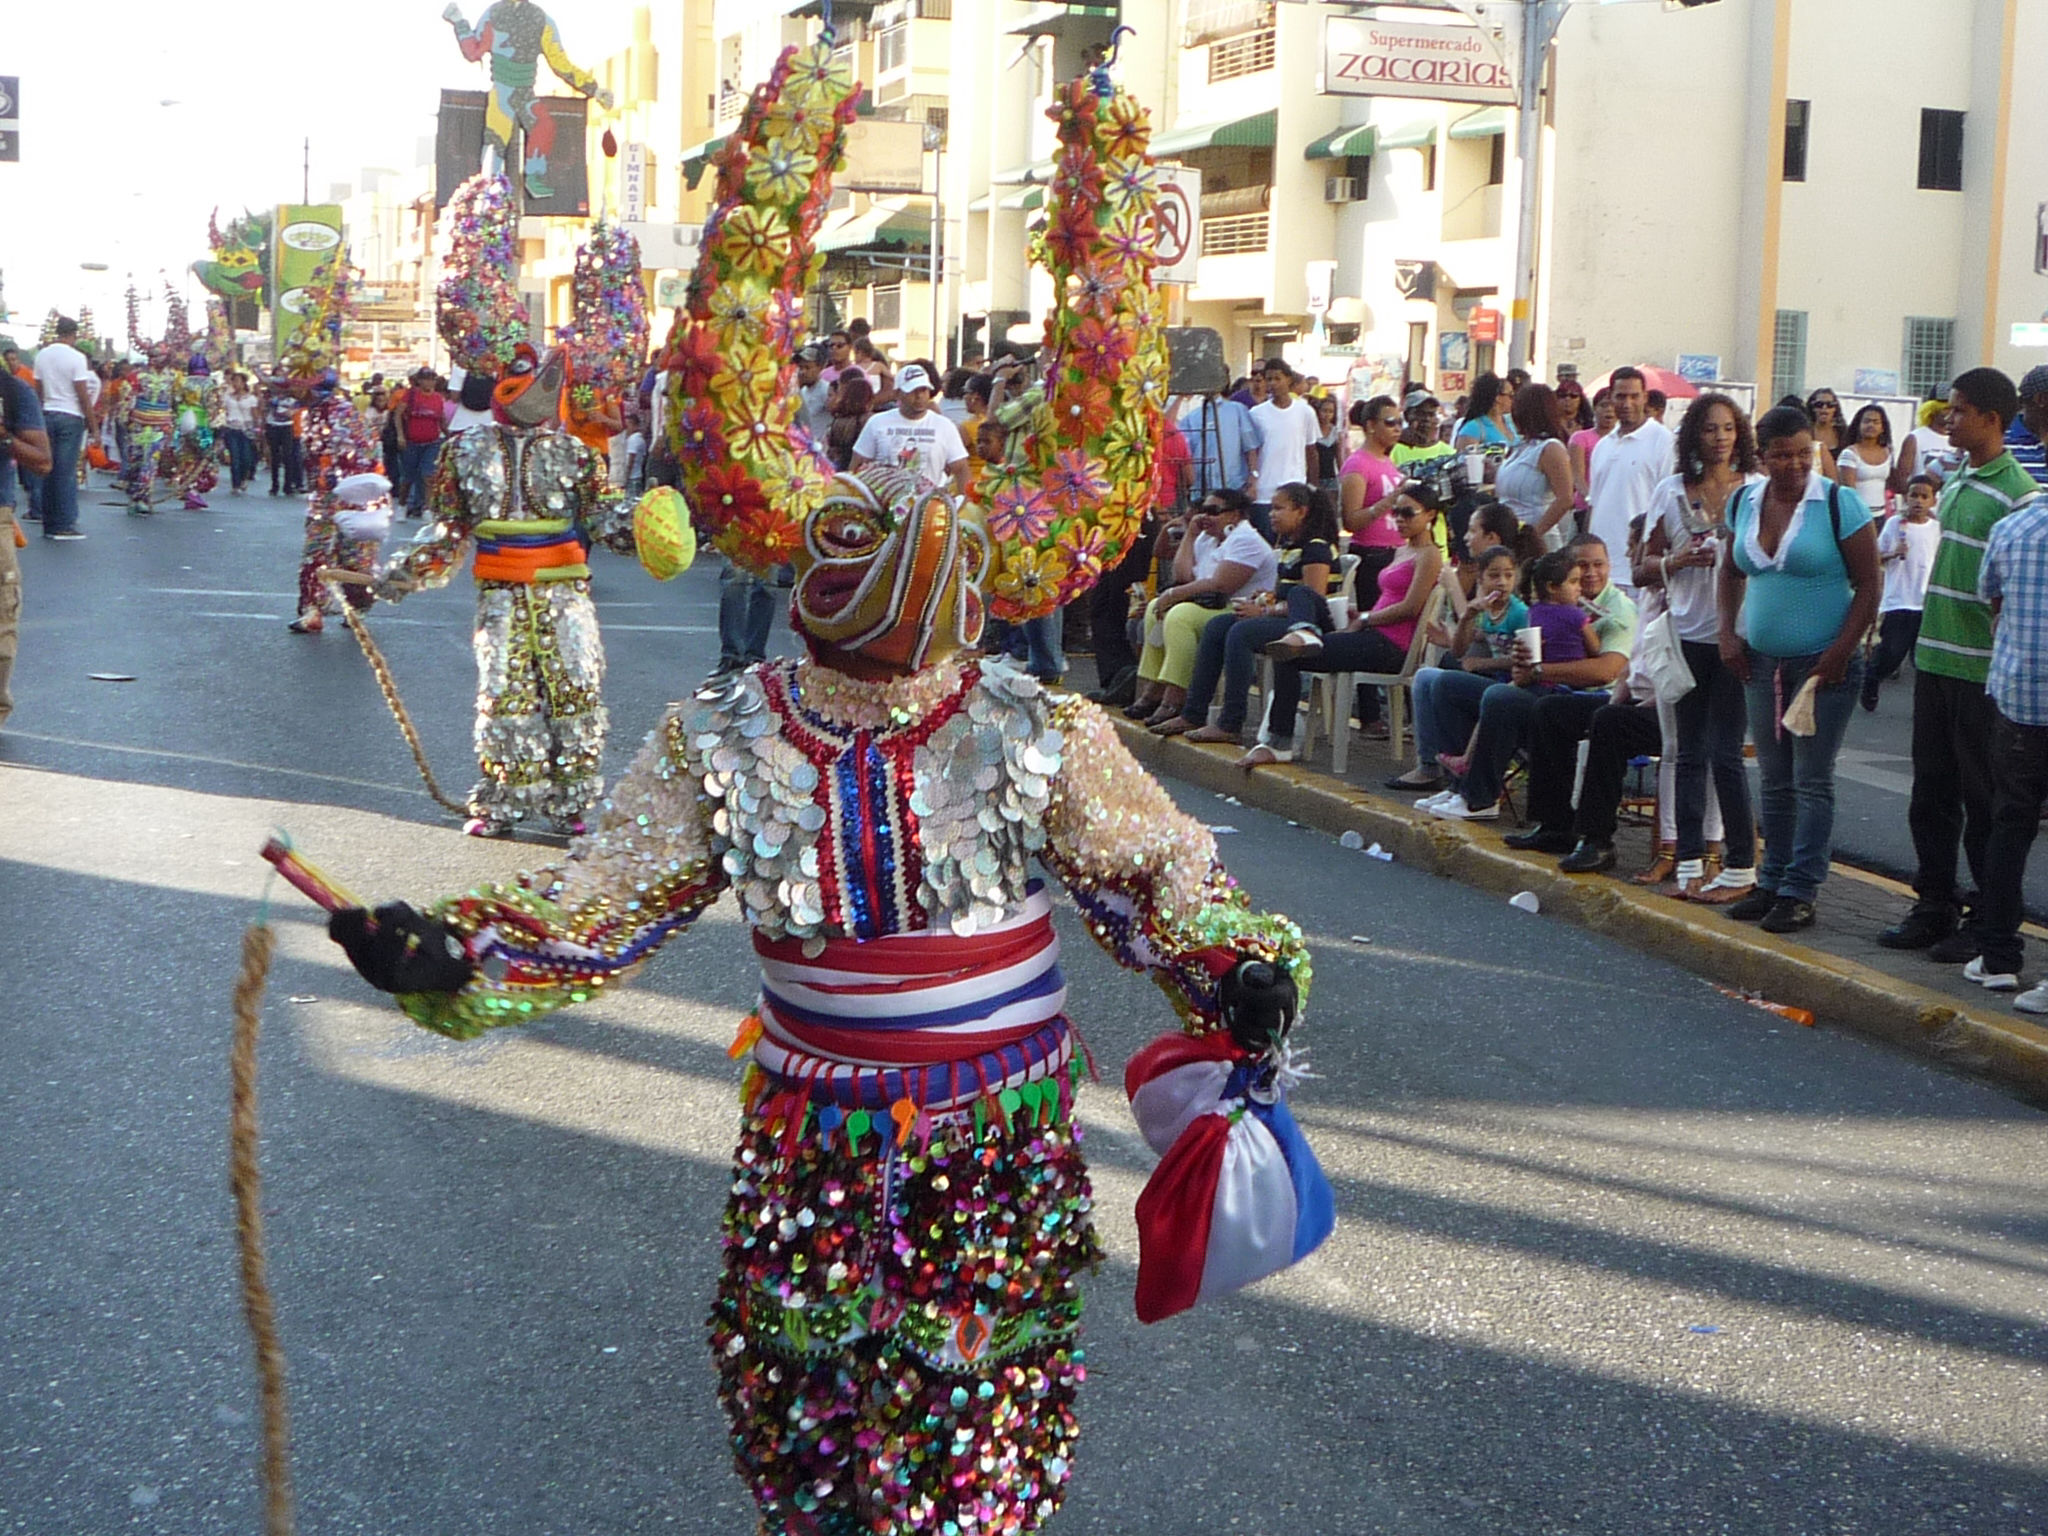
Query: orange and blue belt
[522, 553]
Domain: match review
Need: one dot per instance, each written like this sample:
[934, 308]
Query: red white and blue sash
[929, 1016]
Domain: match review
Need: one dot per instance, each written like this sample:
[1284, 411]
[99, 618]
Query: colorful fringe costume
[336, 447]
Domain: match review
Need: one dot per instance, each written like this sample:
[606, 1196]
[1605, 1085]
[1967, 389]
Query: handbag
[1663, 659]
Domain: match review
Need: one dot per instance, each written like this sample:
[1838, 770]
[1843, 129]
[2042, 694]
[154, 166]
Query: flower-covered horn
[752, 475]
[477, 306]
[1069, 507]
[606, 339]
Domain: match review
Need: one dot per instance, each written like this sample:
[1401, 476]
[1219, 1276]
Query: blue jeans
[746, 612]
[415, 468]
[1446, 709]
[1045, 645]
[60, 485]
[1229, 654]
[241, 456]
[1798, 772]
[1505, 713]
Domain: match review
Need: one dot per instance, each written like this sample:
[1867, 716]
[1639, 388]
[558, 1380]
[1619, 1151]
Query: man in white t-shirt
[64, 378]
[915, 437]
[1627, 467]
[1287, 426]
[813, 389]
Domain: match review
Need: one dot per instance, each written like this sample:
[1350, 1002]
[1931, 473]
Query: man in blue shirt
[2025, 437]
[1223, 445]
[2014, 580]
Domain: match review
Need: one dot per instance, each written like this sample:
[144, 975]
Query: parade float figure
[147, 429]
[348, 499]
[532, 501]
[515, 36]
[188, 459]
[236, 272]
[895, 1329]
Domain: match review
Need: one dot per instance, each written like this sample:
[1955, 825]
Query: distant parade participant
[151, 412]
[348, 500]
[188, 455]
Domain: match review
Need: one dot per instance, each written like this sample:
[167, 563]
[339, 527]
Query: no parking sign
[1178, 218]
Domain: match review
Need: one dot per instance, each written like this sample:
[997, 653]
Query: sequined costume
[150, 412]
[904, 1244]
[187, 457]
[895, 1327]
[531, 502]
[336, 445]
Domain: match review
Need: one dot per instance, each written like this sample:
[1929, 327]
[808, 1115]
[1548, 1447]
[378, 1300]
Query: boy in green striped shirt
[1953, 719]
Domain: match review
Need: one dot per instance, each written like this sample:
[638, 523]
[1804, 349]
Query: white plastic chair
[1331, 693]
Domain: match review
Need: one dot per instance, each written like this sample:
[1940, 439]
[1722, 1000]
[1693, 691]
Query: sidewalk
[1835, 970]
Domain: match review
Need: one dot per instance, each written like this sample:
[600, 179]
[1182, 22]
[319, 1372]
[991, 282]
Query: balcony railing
[1234, 57]
[1208, 20]
[732, 101]
[1237, 234]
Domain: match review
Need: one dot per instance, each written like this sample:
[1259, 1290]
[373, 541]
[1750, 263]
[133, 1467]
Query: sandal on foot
[1265, 757]
[1176, 725]
[1211, 733]
[1720, 892]
[1661, 868]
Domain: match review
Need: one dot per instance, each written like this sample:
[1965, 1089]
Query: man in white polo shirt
[914, 437]
[65, 380]
[1627, 465]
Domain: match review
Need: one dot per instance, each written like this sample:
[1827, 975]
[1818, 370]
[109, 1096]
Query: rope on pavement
[246, 1177]
[389, 686]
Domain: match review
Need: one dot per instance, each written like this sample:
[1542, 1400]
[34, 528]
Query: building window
[1248, 54]
[1927, 361]
[892, 50]
[1795, 139]
[1497, 161]
[1788, 354]
[1429, 167]
[1234, 234]
[1941, 150]
[885, 307]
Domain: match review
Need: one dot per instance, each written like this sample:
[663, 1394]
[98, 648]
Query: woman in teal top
[1486, 415]
[1796, 595]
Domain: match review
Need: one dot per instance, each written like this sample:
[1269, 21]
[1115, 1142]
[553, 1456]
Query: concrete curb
[1842, 992]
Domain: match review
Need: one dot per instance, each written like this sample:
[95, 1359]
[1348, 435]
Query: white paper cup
[1475, 468]
[1340, 612]
[1532, 641]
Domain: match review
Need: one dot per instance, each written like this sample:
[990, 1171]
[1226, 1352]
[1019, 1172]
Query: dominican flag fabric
[1237, 1195]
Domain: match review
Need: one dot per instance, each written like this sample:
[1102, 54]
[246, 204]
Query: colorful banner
[305, 239]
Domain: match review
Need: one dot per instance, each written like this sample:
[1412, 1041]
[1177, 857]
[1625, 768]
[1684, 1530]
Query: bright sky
[195, 104]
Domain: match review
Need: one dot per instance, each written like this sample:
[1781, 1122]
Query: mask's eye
[848, 532]
[520, 367]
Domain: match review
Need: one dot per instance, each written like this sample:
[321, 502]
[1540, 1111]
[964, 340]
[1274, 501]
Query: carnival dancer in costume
[515, 36]
[188, 458]
[895, 1326]
[151, 416]
[532, 500]
[348, 499]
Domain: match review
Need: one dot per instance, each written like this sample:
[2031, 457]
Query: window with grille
[1941, 150]
[1234, 57]
[1236, 234]
[885, 307]
[1788, 354]
[1796, 113]
[1927, 361]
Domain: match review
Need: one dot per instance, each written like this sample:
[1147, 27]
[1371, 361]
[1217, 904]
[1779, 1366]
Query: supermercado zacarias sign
[1385, 58]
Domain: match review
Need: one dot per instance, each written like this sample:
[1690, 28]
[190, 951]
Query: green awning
[1486, 123]
[696, 159]
[1409, 135]
[1255, 132]
[1342, 143]
[1025, 199]
[891, 223]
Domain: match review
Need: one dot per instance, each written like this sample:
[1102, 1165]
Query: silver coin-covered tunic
[530, 503]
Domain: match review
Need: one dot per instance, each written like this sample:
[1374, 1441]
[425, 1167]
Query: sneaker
[1921, 927]
[1788, 914]
[70, 536]
[2034, 1000]
[1454, 808]
[1956, 948]
[1757, 904]
[1431, 802]
[1991, 981]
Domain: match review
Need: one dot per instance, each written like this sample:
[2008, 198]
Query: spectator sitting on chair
[1506, 710]
[1221, 557]
[1305, 524]
[1377, 641]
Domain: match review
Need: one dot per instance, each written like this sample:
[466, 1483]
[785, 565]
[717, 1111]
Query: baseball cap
[811, 355]
[1417, 397]
[2035, 383]
[912, 377]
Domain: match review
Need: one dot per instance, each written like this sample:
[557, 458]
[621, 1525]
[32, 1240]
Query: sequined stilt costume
[187, 456]
[895, 1326]
[149, 426]
[531, 502]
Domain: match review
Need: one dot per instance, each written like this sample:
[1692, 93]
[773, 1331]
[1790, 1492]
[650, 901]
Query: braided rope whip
[389, 687]
[246, 1178]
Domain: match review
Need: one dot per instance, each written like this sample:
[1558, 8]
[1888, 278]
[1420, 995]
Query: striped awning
[1342, 143]
[1486, 123]
[1255, 132]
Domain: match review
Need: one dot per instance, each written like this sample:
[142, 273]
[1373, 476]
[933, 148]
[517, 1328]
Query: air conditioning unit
[1340, 189]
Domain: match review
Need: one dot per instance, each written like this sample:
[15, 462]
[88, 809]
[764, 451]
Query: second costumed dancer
[895, 1330]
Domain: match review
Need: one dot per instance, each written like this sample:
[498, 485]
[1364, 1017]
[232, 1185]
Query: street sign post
[1178, 220]
[10, 117]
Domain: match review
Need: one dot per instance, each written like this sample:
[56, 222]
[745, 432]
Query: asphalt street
[1615, 1254]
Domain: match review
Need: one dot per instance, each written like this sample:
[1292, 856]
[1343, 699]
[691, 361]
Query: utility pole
[935, 141]
[306, 171]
